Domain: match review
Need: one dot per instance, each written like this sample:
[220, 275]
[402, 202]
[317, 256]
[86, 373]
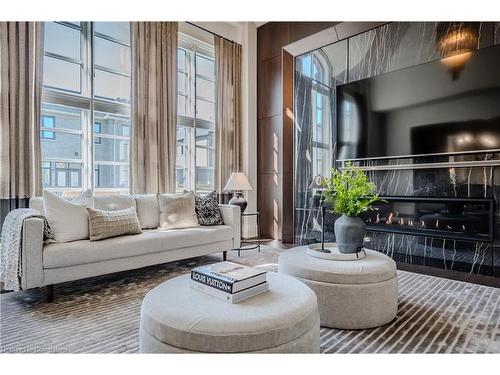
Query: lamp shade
[237, 182]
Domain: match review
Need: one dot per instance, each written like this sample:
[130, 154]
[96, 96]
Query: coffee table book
[231, 298]
[228, 277]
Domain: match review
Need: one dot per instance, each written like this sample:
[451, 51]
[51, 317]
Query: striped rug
[101, 315]
[434, 316]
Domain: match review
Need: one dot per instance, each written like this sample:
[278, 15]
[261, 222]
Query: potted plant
[350, 193]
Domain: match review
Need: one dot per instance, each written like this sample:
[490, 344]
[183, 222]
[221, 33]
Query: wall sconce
[456, 42]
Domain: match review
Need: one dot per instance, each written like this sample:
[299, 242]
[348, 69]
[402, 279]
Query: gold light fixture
[456, 42]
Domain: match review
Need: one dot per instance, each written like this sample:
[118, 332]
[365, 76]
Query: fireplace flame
[389, 219]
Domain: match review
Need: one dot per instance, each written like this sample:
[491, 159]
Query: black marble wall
[387, 48]
[400, 45]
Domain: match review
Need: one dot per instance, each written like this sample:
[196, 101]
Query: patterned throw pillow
[106, 224]
[207, 209]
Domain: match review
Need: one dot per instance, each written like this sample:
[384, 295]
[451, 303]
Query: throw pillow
[106, 224]
[114, 202]
[148, 210]
[177, 211]
[68, 219]
[207, 209]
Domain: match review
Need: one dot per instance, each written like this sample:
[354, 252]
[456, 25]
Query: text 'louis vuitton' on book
[228, 277]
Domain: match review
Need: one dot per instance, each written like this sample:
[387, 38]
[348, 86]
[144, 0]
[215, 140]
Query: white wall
[245, 33]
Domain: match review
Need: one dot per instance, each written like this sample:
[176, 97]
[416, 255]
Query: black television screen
[420, 110]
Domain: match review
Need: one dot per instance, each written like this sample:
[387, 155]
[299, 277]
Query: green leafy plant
[349, 191]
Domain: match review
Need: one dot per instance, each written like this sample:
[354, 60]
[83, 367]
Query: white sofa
[49, 264]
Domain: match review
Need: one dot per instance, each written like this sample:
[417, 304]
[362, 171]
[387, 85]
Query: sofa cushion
[148, 210]
[150, 241]
[107, 224]
[113, 202]
[177, 211]
[68, 219]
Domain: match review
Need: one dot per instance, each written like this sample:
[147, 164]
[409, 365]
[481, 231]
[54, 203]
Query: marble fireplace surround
[370, 50]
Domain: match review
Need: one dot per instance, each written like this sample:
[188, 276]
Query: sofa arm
[32, 249]
[232, 217]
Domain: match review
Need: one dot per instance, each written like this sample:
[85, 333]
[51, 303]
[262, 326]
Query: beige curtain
[228, 117]
[21, 56]
[154, 106]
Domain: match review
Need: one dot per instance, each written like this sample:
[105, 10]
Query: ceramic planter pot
[349, 233]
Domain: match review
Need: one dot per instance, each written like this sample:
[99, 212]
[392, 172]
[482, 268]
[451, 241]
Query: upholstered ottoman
[178, 319]
[354, 294]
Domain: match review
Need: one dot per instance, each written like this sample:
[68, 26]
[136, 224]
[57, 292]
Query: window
[48, 122]
[61, 175]
[195, 163]
[97, 130]
[321, 121]
[111, 156]
[90, 103]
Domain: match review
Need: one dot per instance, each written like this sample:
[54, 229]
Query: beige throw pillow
[106, 224]
[177, 211]
[68, 219]
[114, 202]
[148, 210]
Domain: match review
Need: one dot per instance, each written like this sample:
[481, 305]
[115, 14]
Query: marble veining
[400, 45]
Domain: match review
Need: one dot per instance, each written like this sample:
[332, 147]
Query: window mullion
[87, 119]
[195, 118]
[92, 105]
[192, 159]
[191, 142]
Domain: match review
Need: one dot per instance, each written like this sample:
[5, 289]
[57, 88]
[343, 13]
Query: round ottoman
[355, 294]
[178, 319]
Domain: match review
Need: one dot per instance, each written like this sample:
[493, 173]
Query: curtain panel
[154, 106]
[228, 116]
[21, 57]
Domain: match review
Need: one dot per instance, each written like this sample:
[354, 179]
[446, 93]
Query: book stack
[229, 281]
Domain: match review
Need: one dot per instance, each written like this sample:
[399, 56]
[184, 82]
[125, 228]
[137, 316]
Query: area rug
[101, 314]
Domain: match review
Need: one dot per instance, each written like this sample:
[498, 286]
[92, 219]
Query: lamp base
[238, 200]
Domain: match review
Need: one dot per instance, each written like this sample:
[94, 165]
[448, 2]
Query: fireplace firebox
[467, 219]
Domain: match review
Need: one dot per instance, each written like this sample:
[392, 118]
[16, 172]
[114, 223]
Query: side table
[249, 244]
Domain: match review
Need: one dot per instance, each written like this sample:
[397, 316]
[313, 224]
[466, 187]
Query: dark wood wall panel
[275, 124]
[269, 87]
[287, 147]
[271, 37]
[300, 30]
[270, 153]
[270, 218]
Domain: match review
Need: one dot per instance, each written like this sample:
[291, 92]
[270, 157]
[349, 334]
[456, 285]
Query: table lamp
[238, 183]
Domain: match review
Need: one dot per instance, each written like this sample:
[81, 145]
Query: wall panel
[385, 49]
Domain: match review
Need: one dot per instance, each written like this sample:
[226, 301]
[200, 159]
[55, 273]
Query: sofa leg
[224, 256]
[50, 293]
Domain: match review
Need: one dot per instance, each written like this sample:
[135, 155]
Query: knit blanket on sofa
[11, 261]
